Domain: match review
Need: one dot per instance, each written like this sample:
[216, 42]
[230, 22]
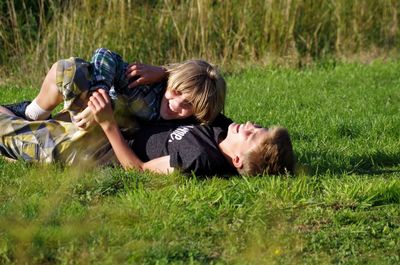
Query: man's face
[245, 137]
[174, 105]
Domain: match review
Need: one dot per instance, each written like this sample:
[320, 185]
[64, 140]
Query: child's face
[174, 105]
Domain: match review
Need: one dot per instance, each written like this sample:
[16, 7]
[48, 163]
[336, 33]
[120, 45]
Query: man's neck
[225, 149]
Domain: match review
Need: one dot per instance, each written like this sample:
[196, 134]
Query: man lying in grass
[158, 147]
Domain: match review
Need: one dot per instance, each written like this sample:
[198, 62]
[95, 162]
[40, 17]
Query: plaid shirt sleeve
[108, 67]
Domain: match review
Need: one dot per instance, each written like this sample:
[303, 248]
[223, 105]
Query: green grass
[342, 207]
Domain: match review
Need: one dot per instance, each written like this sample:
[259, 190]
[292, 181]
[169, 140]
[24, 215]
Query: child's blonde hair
[204, 85]
[273, 156]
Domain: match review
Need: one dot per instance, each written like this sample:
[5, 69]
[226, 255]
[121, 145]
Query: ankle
[35, 112]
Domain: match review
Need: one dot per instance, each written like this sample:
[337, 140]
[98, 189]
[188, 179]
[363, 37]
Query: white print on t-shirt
[178, 133]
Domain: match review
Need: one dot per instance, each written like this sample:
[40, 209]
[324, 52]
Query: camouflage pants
[52, 141]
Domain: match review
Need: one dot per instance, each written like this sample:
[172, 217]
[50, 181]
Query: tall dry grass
[230, 33]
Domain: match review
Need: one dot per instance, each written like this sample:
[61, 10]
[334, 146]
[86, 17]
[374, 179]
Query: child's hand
[142, 74]
[84, 119]
[100, 105]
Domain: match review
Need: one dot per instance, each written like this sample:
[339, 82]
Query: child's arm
[107, 66]
[100, 105]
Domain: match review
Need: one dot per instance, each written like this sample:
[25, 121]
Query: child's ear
[237, 161]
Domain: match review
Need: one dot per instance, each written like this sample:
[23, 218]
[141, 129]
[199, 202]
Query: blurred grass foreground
[232, 33]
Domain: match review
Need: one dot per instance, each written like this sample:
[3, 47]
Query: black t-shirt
[192, 148]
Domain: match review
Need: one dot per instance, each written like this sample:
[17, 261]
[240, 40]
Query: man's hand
[84, 119]
[100, 105]
[143, 74]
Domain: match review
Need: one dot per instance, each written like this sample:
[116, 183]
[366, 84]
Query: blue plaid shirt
[108, 73]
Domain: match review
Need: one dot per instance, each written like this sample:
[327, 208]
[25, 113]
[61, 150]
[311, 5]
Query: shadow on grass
[366, 164]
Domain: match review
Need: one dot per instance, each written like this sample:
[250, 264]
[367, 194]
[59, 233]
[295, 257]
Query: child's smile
[174, 105]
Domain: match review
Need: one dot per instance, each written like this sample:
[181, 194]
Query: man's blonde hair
[203, 83]
[273, 156]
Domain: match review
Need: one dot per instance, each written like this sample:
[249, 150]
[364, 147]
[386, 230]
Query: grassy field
[342, 207]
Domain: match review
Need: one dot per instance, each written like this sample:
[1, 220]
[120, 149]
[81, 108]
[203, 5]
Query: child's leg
[67, 81]
[49, 96]
[47, 99]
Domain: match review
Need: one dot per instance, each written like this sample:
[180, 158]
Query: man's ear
[237, 161]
